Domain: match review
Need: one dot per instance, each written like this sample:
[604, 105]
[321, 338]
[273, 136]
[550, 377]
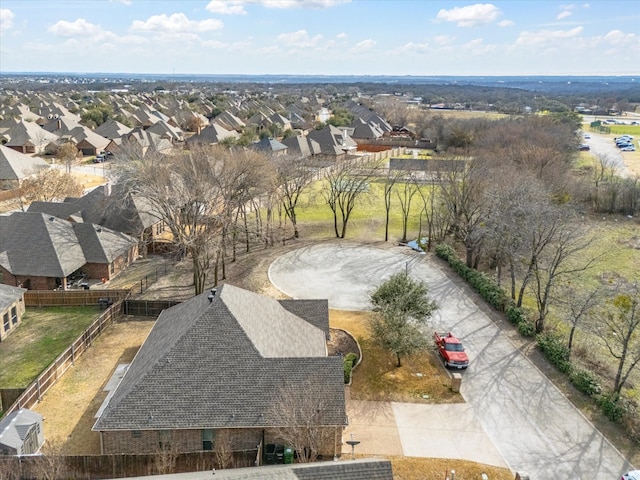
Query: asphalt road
[530, 422]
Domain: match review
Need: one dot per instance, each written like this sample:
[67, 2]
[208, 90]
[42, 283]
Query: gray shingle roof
[202, 367]
[360, 469]
[100, 244]
[9, 294]
[15, 426]
[16, 166]
[39, 245]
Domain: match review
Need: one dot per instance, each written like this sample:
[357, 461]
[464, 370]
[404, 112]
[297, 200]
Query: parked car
[587, 136]
[451, 350]
[633, 475]
[630, 148]
[99, 158]
[583, 147]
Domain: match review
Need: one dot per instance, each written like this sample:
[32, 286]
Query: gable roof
[221, 364]
[9, 295]
[100, 244]
[212, 134]
[16, 166]
[15, 426]
[303, 145]
[267, 144]
[24, 133]
[40, 245]
[332, 140]
[112, 129]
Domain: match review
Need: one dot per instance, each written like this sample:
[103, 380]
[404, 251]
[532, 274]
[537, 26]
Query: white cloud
[415, 47]
[299, 3]
[175, 23]
[471, 15]
[618, 38]
[364, 46]
[444, 39]
[79, 27]
[6, 19]
[341, 35]
[478, 47]
[547, 37]
[505, 23]
[300, 39]
[125, 2]
[226, 7]
[564, 14]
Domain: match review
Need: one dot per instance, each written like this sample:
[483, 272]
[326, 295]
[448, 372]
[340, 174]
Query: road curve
[530, 422]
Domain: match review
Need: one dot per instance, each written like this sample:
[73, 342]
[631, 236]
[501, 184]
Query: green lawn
[43, 335]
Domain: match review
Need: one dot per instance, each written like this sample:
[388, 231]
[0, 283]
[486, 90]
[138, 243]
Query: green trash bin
[288, 455]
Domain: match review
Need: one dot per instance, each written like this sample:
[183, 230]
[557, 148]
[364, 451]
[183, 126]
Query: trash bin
[270, 454]
[288, 455]
[279, 453]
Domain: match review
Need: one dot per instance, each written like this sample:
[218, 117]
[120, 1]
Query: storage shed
[21, 433]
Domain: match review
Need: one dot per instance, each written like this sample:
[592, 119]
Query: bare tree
[222, 449]
[461, 191]
[578, 305]
[165, 458]
[304, 423]
[48, 185]
[294, 174]
[389, 182]
[405, 191]
[557, 262]
[347, 181]
[51, 465]
[197, 193]
[67, 153]
[619, 329]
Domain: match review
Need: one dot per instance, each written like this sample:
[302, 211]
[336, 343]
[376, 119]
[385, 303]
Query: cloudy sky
[311, 37]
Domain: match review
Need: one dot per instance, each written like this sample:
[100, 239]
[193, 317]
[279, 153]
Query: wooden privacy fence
[83, 467]
[50, 376]
[50, 298]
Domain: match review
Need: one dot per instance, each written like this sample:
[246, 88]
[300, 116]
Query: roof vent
[51, 219]
[212, 294]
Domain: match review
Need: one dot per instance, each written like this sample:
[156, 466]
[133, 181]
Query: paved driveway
[531, 424]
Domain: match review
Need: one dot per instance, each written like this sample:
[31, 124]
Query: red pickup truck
[451, 350]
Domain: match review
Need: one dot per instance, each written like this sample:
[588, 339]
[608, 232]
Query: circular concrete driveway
[529, 421]
[345, 274]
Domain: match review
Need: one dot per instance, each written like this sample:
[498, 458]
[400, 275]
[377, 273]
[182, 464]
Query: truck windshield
[454, 347]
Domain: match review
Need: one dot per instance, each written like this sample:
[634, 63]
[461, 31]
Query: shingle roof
[16, 166]
[9, 294]
[39, 245]
[332, 140]
[100, 244]
[203, 365]
[15, 426]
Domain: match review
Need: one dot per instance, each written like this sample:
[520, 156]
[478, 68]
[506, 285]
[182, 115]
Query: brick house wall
[151, 441]
[32, 283]
[11, 317]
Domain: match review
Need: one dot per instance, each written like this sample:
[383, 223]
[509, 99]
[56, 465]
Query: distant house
[212, 135]
[333, 141]
[16, 167]
[228, 364]
[112, 129]
[114, 208]
[270, 146]
[41, 252]
[29, 137]
[21, 433]
[302, 145]
[11, 308]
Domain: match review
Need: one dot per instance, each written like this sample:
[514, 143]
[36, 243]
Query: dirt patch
[341, 343]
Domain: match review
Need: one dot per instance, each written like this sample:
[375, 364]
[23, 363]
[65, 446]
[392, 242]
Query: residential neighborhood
[247, 226]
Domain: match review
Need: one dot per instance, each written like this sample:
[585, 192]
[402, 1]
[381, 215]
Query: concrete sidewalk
[419, 430]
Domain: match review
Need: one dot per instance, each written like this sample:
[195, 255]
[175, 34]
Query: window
[164, 439]
[136, 433]
[5, 321]
[208, 436]
[14, 315]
